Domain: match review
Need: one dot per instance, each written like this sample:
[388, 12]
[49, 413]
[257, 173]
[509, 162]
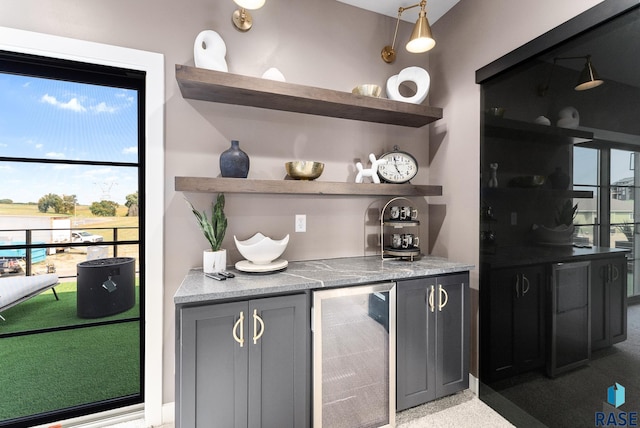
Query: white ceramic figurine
[370, 172]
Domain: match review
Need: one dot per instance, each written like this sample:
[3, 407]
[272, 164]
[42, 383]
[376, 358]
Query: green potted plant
[214, 259]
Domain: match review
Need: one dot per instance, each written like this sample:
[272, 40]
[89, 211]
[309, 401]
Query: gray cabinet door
[244, 364]
[608, 302]
[212, 369]
[279, 372]
[432, 338]
[416, 347]
[452, 338]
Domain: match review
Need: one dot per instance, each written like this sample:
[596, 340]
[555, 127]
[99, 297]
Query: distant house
[623, 190]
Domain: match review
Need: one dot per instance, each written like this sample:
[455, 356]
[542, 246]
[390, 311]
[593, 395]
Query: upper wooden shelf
[243, 185]
[208, 85]
[517, 130]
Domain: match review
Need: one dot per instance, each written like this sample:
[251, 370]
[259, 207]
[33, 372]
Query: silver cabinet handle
[517, 286]
[525, 285]
[616, 273]
[239, 324]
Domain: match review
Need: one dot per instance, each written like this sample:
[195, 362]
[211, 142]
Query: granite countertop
[308, 275]
[537, 254]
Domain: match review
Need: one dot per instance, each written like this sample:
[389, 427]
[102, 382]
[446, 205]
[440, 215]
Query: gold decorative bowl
[304, 170]
[368, 90]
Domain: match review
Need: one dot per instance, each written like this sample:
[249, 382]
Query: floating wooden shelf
[517, 130]
[242, 185]
[208, 85]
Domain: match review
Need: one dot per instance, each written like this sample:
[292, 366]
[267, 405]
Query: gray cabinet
[608, 301]
[432, 338]
[244, 364]
[570, 336]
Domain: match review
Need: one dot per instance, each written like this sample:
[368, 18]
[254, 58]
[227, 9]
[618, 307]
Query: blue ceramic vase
[234, 162]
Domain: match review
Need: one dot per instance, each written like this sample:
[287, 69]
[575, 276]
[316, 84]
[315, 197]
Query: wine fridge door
[354, 348]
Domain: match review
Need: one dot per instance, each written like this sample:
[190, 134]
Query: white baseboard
[169, 413]
[474, 384]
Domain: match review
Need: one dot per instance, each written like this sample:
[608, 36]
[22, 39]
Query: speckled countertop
[308, 275]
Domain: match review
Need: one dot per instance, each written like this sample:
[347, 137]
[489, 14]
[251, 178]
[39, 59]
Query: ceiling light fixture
[241, 18]
[421, 39]
[588, 77]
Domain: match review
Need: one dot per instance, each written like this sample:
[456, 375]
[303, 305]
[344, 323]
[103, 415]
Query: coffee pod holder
[386, 224]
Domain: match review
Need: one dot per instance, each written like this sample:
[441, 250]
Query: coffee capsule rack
[406, 248]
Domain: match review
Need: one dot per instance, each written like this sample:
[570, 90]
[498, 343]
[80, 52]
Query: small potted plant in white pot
[215, 258]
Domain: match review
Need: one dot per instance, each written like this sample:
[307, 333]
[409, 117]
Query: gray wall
[317, 43]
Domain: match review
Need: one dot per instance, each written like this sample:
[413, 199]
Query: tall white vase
[214, 261]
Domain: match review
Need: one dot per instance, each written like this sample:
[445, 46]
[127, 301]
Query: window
[72, 160]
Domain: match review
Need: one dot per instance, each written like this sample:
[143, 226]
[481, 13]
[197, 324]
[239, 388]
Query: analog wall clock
[399, 168]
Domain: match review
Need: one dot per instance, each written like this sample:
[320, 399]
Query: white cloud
[103, 108]
[73, 104]
[130, 150]
[54, 155]
[39, 145]
[4, 145]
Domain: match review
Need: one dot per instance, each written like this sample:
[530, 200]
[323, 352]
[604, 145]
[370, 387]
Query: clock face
[400, 167]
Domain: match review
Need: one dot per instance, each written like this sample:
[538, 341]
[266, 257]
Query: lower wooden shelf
[243, 185]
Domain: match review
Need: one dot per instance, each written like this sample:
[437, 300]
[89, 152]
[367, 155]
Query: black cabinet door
[570, 332]
[514, 324]
[608, 302]
[529, 318]
[279, 372]
[432, 338]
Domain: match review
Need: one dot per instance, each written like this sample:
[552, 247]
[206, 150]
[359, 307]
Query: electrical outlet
[301, 223]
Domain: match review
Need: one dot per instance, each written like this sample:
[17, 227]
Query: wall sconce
[420, 40]
[588, 77]
[241, 18]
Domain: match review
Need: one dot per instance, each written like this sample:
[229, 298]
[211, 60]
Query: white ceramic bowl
[260, 249]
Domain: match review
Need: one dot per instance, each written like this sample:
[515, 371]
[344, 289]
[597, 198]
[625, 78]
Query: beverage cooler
[354, 356]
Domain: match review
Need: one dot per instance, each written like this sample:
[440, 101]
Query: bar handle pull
[431, 303]
[442, 292]
[257, 320]
[239, 325]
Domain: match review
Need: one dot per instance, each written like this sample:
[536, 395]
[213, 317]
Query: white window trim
[153, 64]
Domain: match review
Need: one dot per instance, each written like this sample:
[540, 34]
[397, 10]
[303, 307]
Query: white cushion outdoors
[16, 288]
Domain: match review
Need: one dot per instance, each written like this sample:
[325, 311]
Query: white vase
[214, 261]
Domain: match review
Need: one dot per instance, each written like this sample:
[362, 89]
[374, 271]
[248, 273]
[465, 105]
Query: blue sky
[59, 120]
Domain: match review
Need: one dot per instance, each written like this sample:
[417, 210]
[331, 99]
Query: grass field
[59, 369]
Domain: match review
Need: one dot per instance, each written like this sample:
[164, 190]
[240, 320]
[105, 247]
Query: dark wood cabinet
[432, 338]
[608, 301]
[570, 317]
[513, 321]
[244, 364]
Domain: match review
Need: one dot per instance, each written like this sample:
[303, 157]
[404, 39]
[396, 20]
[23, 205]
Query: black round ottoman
[105, 287]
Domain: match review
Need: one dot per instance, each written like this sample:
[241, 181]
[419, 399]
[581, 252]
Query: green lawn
[59, 369]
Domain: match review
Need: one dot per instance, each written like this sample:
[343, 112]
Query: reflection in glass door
[623, 210]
